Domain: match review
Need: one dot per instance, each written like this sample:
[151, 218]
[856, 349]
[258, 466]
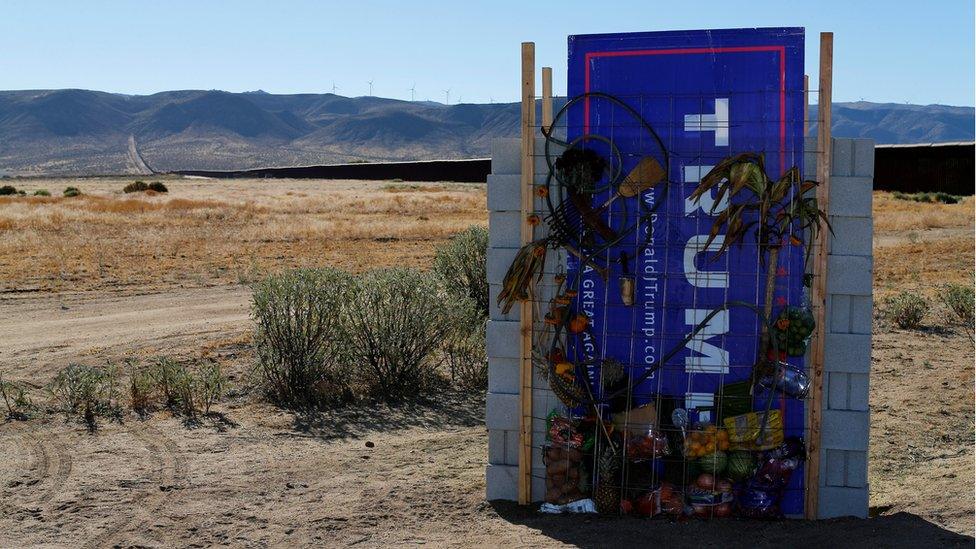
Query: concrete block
[845, 430]
[494, 311]
[810, 157]
[849, 353]
[810, 143]
[835, 467]
[862, 314]
[852, 235]
[502, 412]
[538, 485]
[499, 260]
[849, 196]
[857, 469]
[842, 156]
[837, 501]
[848, 274]
[506, 156]
[864, 157]
[504, 229]
[503, 192]
[496, 447]
[839, 311]
[503, 375]
[838, 391]
[511, 447]
[858, 392]
[503, 339]
[501, 482]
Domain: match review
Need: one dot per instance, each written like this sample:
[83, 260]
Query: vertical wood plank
[525, 308]
[806, 105]
[546, 97]
[819, 290]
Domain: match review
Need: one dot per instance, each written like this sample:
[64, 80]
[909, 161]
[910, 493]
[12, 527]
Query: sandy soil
[257, 476]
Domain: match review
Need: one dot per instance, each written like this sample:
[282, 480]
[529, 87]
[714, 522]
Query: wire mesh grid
[652, 237]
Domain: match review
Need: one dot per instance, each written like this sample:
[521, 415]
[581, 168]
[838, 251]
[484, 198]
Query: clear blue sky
[890, 51]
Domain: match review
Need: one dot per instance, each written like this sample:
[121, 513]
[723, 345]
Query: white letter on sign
[710, 359]
[718, 122]
[703, 279]
[694, 174]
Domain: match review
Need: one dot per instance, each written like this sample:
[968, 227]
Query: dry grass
[919, 246]
[206, 232]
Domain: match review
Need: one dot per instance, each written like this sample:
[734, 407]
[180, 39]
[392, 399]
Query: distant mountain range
[62, 132]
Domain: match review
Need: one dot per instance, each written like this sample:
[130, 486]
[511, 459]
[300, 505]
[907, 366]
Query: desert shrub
[19, 405]
[465, 352]
[142, 389]
[958, 300]
[158, 187]
[944, 198]
[42, 192]
[186, 390]
[135, 187]
[906, 310]
[396, 321]
[165, 373]
[299, 336]
[462, 264]
[8, 190]
[87, 391]
[71, 191]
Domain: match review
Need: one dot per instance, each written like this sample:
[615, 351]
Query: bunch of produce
[740, 465]
[705, 440]
[710, 496]
[651, 444]
[792, 330]
[563, 473]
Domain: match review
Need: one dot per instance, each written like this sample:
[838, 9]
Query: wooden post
[546, 98]
[525, 308]
[819, 289]
[806, 105]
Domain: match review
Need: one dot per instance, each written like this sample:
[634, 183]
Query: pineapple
[607, 494]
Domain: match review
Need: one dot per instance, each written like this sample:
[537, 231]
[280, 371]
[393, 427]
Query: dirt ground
[376, 475]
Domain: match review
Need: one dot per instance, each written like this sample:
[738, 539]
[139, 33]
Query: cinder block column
[504, 222]
[847, 349]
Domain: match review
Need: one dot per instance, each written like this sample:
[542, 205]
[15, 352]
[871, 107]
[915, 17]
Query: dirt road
[40, 334]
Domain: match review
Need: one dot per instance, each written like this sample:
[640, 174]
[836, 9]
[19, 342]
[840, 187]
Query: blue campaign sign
[694, 98]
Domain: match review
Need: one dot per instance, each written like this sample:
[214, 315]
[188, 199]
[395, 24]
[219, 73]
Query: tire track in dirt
[171, 474]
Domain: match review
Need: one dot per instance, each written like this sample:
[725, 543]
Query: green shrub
[299, 336]
[465, 351]
[396, 321]
[906, 310]
[135, 187]
[158, 187]
[72, 191]
[19, 405]
[7, 190]
[165, 373]
[142, 389]
[88, 392]
[186, 391]
[42, 192]
[462, 264]
[958, 300]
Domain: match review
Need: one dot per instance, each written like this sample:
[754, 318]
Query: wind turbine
[413, 91]
[447, 96]
[334, 87]
[371, 88]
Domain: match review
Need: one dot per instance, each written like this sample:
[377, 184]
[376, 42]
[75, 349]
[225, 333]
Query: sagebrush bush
[165, 373]
[906, 310]
[72, 191]
[18, 403]
[42, 192]
[465, 351]
[396, 320]
[135, 187]
[299, 336]
[462, 264]
[958, 300]
[7, 190]
[158, 187]
[142, 389]
[87, 391]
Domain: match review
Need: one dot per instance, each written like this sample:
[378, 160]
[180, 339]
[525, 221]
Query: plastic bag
[787, 378]
[744, 431]
[651, 445]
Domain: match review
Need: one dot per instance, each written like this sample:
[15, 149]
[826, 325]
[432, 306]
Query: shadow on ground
[897, 530]
[448, 409]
